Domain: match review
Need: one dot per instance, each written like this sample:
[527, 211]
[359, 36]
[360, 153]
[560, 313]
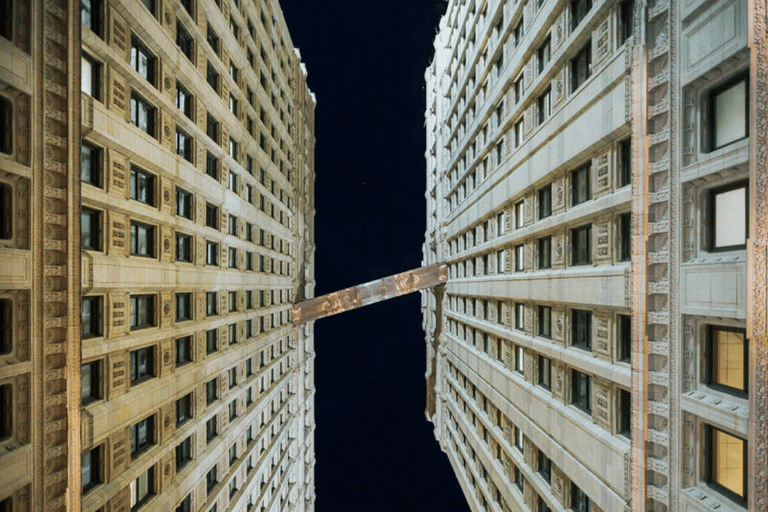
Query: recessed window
[211, 341]
[545, 105]
[518, 32]
[90, 164]
[212, 128]
[729, 217]
[90, 317]
[233, 146]
[625, 162]
[184, 145]
[184, 41]
[212, 303]
[579, 10]
[90, 229]
[183, 409]
[6, 122]
[142, 61]
[6, 326]
[728, 359]
[545, 372]
[520, 316]
[580, 184]
[211, 391]
[545, 201]
[625, 413]
[90, 382]
[581, 391]
[545, 252]
[6, 408]
[183, 307]
[545, 321]
[184, 101]
[624, 335]
[212, 166]
[581, 329]
[183, 351]
[581, 245]
[142, 239]
[90, 15]
[232, 334]
[729, 119]
[520, 214]
[90, 74]
[544, 54]
[519, 89]
[142, 489]
[142, 186]
[183, 453]
[90, 469]
[233, 104]
[142, 311]
[212, 38]
[6, 211]
[727, 464]
[212, 216]
[183, 247]
[519, 257]
[150, 5]
[626, 20]
[212, 77]
[519, 135]
[580, 502]
[232, 257]
[142, 436]
[183, 203]
[581, 66]
[143, 114]
[142, 364]
[186, 504]
[211, 479]
[233, 181]
[211, 253]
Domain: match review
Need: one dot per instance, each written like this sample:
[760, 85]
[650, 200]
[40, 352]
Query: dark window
[232, 257]
[728, 360]
[580, 184]
[579, 10]
[626, 19]
[142, 239]
[727, 464]
[188, 6]
[183, 307]
[212, 128]
[184, 41]
[212, 77]
[545, 105]
[211, 341]
[581, 391]
[90, 164]
[519, 258]
[212, 253]
[545, 252]
[142, 311]
[625, 162]
[90, 15]
[545, 466]
[212, 303]
[581, 329]
[519, 316]
[545, 321]
[142, 435]
[142, 61]
[625, 413]
[90, 382]
[142, 489]
[6, 326]
[211, 479]
[184, 101]
[545, 372]
[183, 203]
[6, 122]
[519, 89]
[212, 38]
[184, 145]
[90, 229]
[545, 201]
[624, 337]
[142, 186]
[90, 317]
[544, 54]
[729, 217]
[233, 225]
[6, 411]
[581, 245]
[581, 67]
[183, 350]
[183, 453]
[183, 247]
[580, 502]
[728, 112]
[211, 391]
[150, 5]
[212, 216]
[519, 135]
[517, 32]
[186, 503]
[212, 166]
[143, 114]
[232, 334]
[625, 236]
[90, 469]
[142, 364]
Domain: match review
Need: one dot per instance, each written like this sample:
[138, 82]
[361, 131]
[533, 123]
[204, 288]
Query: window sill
[706, 496]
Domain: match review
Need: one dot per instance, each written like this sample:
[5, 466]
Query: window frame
[712, 215]
[712, 115]
[149, 371]
[576, 249]
[579, 317]
[139, 229]
[94, 158]
[95, 218]
[583, 402]
[582, 58]
[138, 448]
[711, 360]
[149, 300]
[709, 466]
[138, 50]
[96, 324]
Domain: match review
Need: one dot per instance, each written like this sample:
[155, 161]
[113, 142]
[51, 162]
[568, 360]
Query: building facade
[596, 182]
[156, 181]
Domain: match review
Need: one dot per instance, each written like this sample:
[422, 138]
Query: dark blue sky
[366, 62]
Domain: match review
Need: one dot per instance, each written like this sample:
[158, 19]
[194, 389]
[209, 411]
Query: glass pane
[730, 218]
[729, 365]
[86, 81]
[85, 381]
[728, 461]
[730, 114]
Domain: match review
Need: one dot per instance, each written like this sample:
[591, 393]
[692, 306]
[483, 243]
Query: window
[6, 405]
[143, 114]
[545, 201]
[212, 216]
[545, 105]
[150, 5]
[501, 262]
[500, 223]
[519, 359]
[500, 113]
[212, 303]
[520, 214]
[90, 74]
[212, 38]
[142, 61]
[580, 184]
[625, 413]
[581, 245]
[90, 382]
[499, 152]
[581, 393]
[581, 329]
[233, 182]
[183, 247]
[183, 409]
[545, 372]
[6, 326]
[90, 472]
[727, 360]
[544, 54]
[6, 122]
[188, 6]
[727, 464]
[212, 77]
[142, 364]
[520, 258]
[186, 503]
[142, 239]
[232, 377]
[211, 253]
[579, 10]
[233, 104]
[519, 89]
[544, 466]
[545, 321]
[626, 20]
[211, 480]
[625, 236]
[517, 32]
[233, 148]
[142, 186]
[232, 334]
[211, 341]
[232, 257]
[728, 107]
[232, 410]
[184, 41]
[624, 335]
[142, 311]
[184, 145]
[183, 203]
[519, 135]
[184, 101]
[625, 162]
[142, 436]
[90, 317]
[142, 489]
[183, 453]
[183, 351]
[232, 302]
[90, 15]
[579, 501]
[212, 166]
[519, 316]
[183, 307]
[545, 252]
[729, 218]
[581, 66]
[211, 391]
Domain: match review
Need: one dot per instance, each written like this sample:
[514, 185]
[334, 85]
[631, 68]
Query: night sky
[366, 62]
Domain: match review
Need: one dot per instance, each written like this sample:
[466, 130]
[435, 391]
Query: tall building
[156, 183]
[596, 182]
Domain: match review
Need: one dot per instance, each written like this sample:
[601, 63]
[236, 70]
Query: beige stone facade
[157, 178]
[595, 172]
